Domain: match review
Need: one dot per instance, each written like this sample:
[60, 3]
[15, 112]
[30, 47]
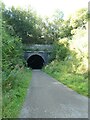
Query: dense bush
[79, 44]
[11, 51]
[61, 49]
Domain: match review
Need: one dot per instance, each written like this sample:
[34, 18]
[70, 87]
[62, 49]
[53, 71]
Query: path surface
[48, 98]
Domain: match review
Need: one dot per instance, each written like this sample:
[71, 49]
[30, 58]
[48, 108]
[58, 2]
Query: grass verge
[13, 95]
[62, 71]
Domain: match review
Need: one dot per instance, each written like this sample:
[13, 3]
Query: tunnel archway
[35, 62]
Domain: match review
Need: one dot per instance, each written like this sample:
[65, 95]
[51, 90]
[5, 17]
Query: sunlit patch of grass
[63, 72]
[14, 97]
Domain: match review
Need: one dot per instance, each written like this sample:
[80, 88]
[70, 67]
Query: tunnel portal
[35, 62]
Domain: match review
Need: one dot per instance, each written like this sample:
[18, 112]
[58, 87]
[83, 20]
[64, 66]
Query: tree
[24, 23]
[51, 27]
[79, 19]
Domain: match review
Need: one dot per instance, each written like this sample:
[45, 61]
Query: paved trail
[48, 98]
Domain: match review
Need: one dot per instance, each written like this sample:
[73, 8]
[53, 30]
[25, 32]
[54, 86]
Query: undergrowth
[14, 91]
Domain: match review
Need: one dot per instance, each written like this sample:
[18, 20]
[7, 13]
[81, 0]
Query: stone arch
[35, 61]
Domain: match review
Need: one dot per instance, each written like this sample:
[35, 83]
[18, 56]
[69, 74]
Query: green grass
[13, 98]
[63, 72]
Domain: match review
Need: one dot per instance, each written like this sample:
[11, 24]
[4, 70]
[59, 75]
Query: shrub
[61, 49]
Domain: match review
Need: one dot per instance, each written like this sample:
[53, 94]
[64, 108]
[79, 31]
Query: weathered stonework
[43, 51]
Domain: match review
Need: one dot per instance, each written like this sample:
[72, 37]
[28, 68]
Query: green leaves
[79, 19]
[61, 49]
[24, 23]
[11, 51]
[32, 29]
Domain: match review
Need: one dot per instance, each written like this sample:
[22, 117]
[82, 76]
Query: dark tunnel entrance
[35, 62]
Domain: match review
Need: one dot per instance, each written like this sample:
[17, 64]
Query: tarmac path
[48, 98]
